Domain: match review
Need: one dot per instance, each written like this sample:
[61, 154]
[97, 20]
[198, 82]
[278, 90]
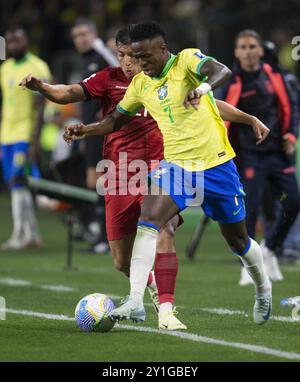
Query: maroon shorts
[122, 213]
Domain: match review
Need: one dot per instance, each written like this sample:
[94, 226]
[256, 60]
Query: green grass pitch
[203, 288]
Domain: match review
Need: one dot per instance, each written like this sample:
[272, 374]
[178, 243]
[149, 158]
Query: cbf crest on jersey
[162, 92]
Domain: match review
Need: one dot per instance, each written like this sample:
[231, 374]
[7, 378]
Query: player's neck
[20, 57]
[165, 61]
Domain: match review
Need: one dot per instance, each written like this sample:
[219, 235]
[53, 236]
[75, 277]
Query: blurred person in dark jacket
[262, 90]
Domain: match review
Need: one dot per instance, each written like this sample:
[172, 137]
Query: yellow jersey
[18, 108]
[193, 139]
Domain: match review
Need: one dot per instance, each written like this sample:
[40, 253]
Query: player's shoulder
[139, 80]
[38, 65]
[34, 59]
[7, 64]
[186, 54]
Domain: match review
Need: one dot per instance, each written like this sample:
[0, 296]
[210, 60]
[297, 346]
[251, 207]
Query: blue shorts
[14, 164]
[218, 190]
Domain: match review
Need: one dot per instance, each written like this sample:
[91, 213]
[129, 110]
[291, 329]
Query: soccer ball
[91, 313]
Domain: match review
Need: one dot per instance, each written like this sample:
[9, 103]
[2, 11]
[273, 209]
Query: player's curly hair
[146, 30]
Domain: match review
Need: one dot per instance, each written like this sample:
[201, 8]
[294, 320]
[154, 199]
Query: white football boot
[129, 310]
[263, 307]
[168, 321]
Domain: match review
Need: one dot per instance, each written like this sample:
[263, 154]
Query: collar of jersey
[166, 68]
[23, 59]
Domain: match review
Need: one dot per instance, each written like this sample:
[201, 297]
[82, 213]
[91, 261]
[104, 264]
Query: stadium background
[210, 25]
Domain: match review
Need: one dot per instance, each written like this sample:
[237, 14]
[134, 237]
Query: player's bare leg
[251, 256]
[157, 210]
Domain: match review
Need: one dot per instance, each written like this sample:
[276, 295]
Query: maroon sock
[165, 270]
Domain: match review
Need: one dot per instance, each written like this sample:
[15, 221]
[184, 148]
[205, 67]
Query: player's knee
[237, 243]
[166, 239]
[151, 218]
[122, 266]
[121, 263]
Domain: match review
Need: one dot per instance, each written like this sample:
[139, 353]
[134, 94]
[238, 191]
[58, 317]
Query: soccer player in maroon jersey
[141, 140]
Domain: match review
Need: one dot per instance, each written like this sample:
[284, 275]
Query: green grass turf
[210, 281]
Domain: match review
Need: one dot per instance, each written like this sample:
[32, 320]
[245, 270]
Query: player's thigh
[236, 235]
[158, 208]
[121, 215]
[223, 194]
[7, 162]
[20, 159]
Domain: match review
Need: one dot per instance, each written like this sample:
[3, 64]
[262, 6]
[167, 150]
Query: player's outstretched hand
[74, 132]
[192, 99]
[261, 131]
[31, 82]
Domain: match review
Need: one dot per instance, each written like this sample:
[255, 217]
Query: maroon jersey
[140, 138]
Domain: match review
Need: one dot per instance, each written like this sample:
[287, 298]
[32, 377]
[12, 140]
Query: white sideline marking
[14, 282]
[17, 282]
[185, 336]
[57, 288]
[224, 311]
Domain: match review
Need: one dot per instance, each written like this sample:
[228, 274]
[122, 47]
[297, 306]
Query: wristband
[203, 88]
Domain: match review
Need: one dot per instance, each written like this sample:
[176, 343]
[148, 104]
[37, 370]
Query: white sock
[143, 256]
[165, 307]
[253, 262]
[18, 208]
[31, 230]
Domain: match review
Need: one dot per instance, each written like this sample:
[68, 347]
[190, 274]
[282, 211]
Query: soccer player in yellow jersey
[20, 124]
[198, 162]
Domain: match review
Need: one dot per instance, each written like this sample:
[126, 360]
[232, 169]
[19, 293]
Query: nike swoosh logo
[165, 326]
[268, 313]
[236, 212]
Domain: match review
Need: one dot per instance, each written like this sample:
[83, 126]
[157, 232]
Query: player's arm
[61, 94]
[128, 107]
[211, 72]
[235, 115]
[111, 123]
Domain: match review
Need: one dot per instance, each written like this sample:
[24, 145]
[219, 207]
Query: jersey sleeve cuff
[123, 111]
[86, 92]
[202, 62]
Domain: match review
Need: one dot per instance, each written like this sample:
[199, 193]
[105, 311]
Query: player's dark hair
[84, 21]
[122, 36]
[146, 30]
[248, 33]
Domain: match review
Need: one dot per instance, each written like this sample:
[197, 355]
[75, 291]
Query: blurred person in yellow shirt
[21, 121]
